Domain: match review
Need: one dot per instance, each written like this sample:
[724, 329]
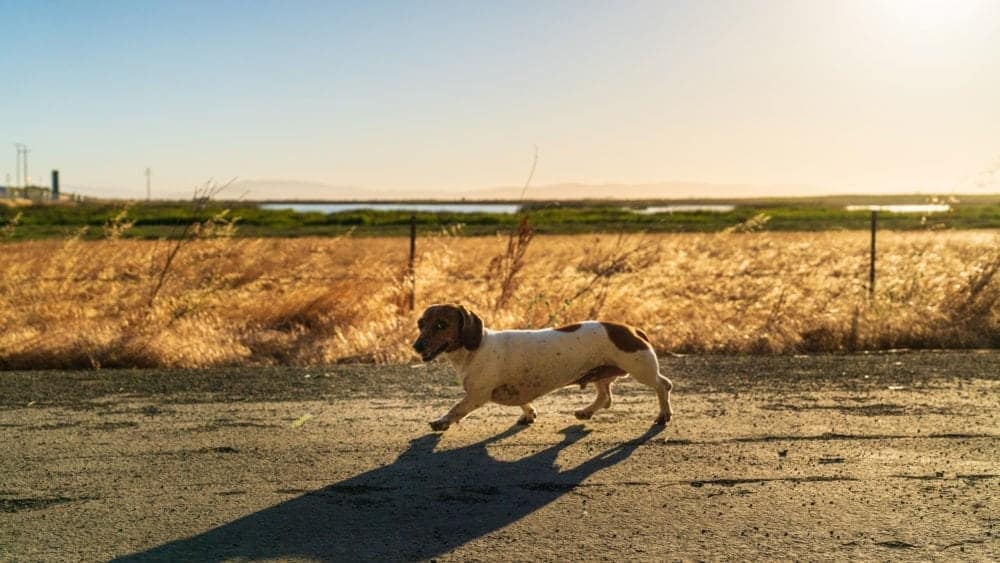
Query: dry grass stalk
[626, 255]
[118, 225]
[505, 267]
[10, 226]
[202, 196]
[751, 225]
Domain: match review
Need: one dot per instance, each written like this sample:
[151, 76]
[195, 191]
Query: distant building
[36, 193]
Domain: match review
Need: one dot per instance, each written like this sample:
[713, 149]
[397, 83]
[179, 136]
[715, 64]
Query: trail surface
[882, 456]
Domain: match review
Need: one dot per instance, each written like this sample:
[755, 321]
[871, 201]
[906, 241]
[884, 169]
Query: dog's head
[446, 328]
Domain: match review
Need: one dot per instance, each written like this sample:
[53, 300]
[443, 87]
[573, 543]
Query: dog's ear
[471, 330]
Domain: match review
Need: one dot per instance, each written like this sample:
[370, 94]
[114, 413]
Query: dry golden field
[214, 301]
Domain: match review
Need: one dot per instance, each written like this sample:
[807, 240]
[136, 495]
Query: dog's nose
[419, 346]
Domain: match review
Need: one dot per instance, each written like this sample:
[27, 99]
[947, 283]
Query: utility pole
[17, 165]
[27, 179]
[149, 174]
[871, 266]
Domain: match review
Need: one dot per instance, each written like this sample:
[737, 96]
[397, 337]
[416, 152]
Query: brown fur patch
[599, 373]
[626, 338]
[471, 334]
[569, 328]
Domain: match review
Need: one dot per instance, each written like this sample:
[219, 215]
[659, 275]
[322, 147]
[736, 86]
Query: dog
[515, 367]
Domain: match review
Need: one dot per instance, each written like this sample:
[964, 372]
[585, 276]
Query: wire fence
[385, 279]
[405, 276]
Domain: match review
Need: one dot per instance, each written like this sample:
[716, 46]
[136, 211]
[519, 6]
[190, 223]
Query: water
[683, 208]
[505, 208]
[904, 208]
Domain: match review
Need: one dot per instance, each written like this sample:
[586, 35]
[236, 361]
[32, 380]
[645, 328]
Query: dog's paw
[440, 425]
[662, 420]
[525, 420]
[583, 414]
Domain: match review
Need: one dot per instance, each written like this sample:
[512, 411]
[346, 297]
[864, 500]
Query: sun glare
[929, 16]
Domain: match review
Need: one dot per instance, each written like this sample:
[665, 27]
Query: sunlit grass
[226, 301]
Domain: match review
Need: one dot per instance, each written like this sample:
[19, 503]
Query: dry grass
[225, 301]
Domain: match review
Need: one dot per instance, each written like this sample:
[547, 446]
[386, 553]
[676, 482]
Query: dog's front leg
[468, 404]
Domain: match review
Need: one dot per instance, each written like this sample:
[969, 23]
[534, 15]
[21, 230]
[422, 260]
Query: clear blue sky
[438, 96]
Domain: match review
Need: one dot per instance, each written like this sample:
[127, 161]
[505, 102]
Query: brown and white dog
[515, 367]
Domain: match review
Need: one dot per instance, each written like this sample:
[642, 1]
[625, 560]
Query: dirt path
[822, 457]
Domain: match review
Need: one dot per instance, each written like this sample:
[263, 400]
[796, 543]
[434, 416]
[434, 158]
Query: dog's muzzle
[427, 355]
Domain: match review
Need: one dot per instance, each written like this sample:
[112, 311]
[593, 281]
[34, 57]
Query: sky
[322, 99]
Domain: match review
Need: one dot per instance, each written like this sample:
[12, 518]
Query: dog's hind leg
[529, 414]
[646, 370]
[601, 401]
[663, 388]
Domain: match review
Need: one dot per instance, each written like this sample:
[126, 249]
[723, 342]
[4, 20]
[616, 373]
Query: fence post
[413, 251]
[871, 268]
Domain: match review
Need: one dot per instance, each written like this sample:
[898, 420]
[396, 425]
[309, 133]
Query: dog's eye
[440, 326]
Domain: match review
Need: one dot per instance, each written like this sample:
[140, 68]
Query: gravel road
[829, 457]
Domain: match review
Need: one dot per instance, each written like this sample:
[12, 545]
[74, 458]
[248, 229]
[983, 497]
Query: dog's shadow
[424, 504]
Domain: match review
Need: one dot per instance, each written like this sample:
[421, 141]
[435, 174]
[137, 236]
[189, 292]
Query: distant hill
[317, 191]
[291, 190]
